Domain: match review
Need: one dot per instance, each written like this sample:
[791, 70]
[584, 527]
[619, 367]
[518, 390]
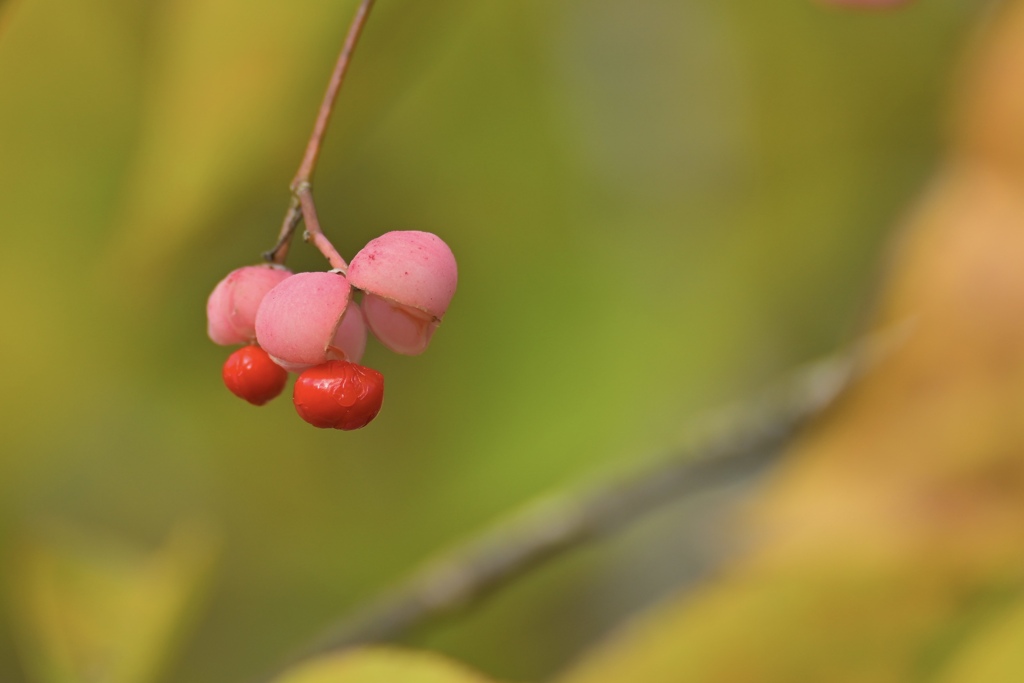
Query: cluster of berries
[311, 324]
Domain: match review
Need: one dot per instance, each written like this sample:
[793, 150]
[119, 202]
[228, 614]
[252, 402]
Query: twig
[733, 444]
[313, 233]
[308, 165]
[279, 253]
[302, 205]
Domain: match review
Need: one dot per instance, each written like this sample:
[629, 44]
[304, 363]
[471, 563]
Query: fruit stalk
[302, 207]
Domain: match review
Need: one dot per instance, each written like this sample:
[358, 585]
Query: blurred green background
[656, 206]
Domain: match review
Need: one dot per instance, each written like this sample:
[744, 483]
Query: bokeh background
[657, 207]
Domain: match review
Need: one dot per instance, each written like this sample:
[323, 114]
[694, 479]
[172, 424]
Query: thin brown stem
[279, 253]
[308, 165]
[302, 207]
[314, 234]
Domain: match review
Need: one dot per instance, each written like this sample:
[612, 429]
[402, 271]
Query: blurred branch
[302, 206]
[726, 446]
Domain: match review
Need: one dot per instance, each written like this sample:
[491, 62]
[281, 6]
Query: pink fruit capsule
[349, 341]
[302, 322]
[402, 329]
[231, 308]
[409, 278]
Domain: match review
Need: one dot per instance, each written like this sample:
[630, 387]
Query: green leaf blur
[378, 665]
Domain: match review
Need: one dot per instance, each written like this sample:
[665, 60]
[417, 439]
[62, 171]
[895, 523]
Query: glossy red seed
[339, 394]
[250, 373]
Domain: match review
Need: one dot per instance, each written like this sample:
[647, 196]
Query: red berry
[339, 394]
[250, 373]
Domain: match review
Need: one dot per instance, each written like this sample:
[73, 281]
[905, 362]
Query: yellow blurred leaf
[381, 665]
[995, 655]
[837, 619]
[94, 609]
